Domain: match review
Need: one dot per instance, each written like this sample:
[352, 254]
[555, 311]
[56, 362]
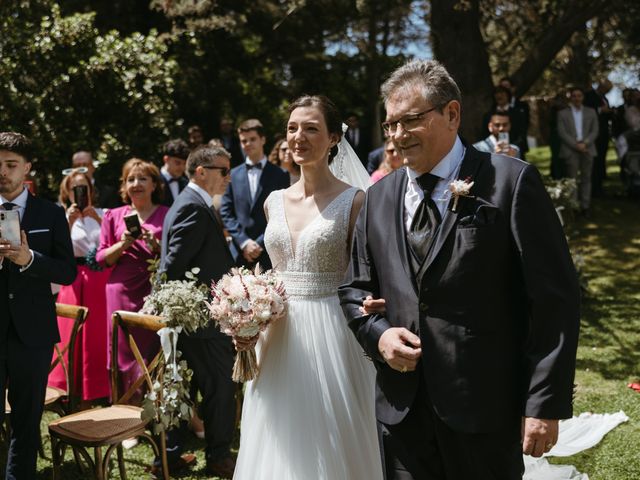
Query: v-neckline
[292, 247]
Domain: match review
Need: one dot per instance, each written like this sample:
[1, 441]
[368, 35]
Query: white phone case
[10, 227]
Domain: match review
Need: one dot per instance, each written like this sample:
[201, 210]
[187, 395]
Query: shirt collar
[208, 199]
[20, 201]
[263, 162]
[165, 173]
[576, 110]
[447, 166]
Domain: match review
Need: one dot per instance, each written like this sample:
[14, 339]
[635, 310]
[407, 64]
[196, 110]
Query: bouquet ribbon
[169, 342]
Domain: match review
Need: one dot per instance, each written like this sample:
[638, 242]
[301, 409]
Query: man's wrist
[28, 264]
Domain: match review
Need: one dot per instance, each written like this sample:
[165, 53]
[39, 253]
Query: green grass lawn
[608, 355]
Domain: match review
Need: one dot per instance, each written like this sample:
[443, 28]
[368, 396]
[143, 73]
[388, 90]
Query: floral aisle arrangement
[182, 306]
[562, 193]
[244, 303]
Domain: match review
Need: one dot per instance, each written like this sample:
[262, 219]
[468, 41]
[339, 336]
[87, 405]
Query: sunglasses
[69, 171]
[223, 170]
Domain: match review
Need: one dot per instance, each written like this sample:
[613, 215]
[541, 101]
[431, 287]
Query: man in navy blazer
[28, 326]
[192, 236]
[242, 204]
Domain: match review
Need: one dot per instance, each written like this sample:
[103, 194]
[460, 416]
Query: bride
[310, 412]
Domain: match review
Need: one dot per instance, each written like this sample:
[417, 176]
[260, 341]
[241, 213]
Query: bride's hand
[371, 305]
[243, 343]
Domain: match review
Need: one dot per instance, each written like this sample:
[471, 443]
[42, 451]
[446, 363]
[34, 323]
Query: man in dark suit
[479, 335]
[174, 158]
[597, 99]
[521, 109]
[242, 204]
[357, 138]
[192, 236]
[230, 141]
[517, 115]
[28, 325]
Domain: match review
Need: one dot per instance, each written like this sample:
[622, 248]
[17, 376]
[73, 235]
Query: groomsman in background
[230, 141]
[28, 325]
[192, 236]
[578, 130]
[174, 157]
[242, 204]
[357, 138]
[597, 99]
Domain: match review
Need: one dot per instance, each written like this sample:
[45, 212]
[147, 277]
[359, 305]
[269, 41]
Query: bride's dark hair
[332, 117]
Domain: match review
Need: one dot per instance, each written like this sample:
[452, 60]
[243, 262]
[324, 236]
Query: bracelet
[92, 263]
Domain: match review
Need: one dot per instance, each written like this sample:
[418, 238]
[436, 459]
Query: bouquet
[181, 305]
[244, 303]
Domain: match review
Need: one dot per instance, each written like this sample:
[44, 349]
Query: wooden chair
[56, 399]
[107, 427]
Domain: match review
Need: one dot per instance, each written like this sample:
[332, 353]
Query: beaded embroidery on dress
[310, 413]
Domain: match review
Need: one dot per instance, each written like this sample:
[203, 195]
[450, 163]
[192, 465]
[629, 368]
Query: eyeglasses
[69, 171]
[223, 170]
[409, 122]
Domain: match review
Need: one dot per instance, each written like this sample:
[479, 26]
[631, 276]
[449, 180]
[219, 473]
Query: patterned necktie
[425, 221]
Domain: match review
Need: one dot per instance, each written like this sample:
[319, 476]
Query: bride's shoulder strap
[271, 200]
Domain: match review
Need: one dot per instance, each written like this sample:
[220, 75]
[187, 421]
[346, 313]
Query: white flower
[459, 188]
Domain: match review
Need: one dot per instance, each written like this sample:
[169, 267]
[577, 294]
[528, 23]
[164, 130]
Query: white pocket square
[42, 230]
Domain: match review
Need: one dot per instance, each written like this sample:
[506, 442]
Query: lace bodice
[317, 263]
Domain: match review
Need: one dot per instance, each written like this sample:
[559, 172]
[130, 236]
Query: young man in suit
[475, 351]
[499, 122]
[578, 131]
[28, 325]
[242, 204]
[174, 158]
[192, 236]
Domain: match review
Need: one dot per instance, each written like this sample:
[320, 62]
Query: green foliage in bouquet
[181, 304]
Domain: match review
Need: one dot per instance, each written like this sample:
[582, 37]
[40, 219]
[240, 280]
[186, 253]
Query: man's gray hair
[430, 76]
[204, 156]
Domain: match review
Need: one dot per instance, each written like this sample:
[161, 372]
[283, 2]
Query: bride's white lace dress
[310, 412]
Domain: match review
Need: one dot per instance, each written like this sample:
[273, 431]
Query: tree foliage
[69, 87]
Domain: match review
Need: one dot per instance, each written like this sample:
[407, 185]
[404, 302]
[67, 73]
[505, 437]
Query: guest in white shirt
[498, 141]
[90, 374]
[174, 158]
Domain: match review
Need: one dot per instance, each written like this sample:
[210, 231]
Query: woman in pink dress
[91, 376]
[142, 190]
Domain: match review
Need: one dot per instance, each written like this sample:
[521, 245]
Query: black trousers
[23, 372]
[211, 360]
[423, 447]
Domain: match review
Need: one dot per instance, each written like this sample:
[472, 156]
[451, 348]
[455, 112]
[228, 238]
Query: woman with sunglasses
[128, 253]
[90, 375]
[281, 156]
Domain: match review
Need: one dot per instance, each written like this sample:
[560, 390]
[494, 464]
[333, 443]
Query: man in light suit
[242, 208]
[28, 325]
[192, 236]
[174, 158]
[578, 130]
[475, 349]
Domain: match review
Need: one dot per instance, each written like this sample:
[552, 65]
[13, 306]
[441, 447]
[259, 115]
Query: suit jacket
[193, 237]
[26, 296]
[496, 302]
[168, 195]
[245, 219]
[567, 131]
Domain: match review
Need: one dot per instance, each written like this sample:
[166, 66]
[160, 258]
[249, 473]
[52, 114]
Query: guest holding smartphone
[91, 375]
[128, 254]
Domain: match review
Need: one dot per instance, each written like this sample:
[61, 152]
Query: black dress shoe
[185, 462]
[222, 468]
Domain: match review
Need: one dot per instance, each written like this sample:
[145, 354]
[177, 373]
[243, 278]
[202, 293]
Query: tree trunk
[459, 46]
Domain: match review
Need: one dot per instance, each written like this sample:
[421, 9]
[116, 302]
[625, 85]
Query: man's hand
[244, 343]
[400, 349]
[20, 255]
[371, 305]
[581, 147]
[538, 435]
[251, 251]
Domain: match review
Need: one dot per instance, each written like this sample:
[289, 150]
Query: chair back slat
[123, 322]
[78, 314]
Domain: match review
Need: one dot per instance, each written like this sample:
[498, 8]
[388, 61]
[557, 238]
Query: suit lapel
[259, 189]
[470, 165]
[27, 217]
[243, 189]
[196, 198]
[400, 187]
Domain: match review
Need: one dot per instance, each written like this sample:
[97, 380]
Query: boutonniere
[460, 188]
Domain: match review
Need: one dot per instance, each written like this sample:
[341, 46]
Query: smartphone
[10, 227]
[81, 194]
[133, 224]
[503, 137]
